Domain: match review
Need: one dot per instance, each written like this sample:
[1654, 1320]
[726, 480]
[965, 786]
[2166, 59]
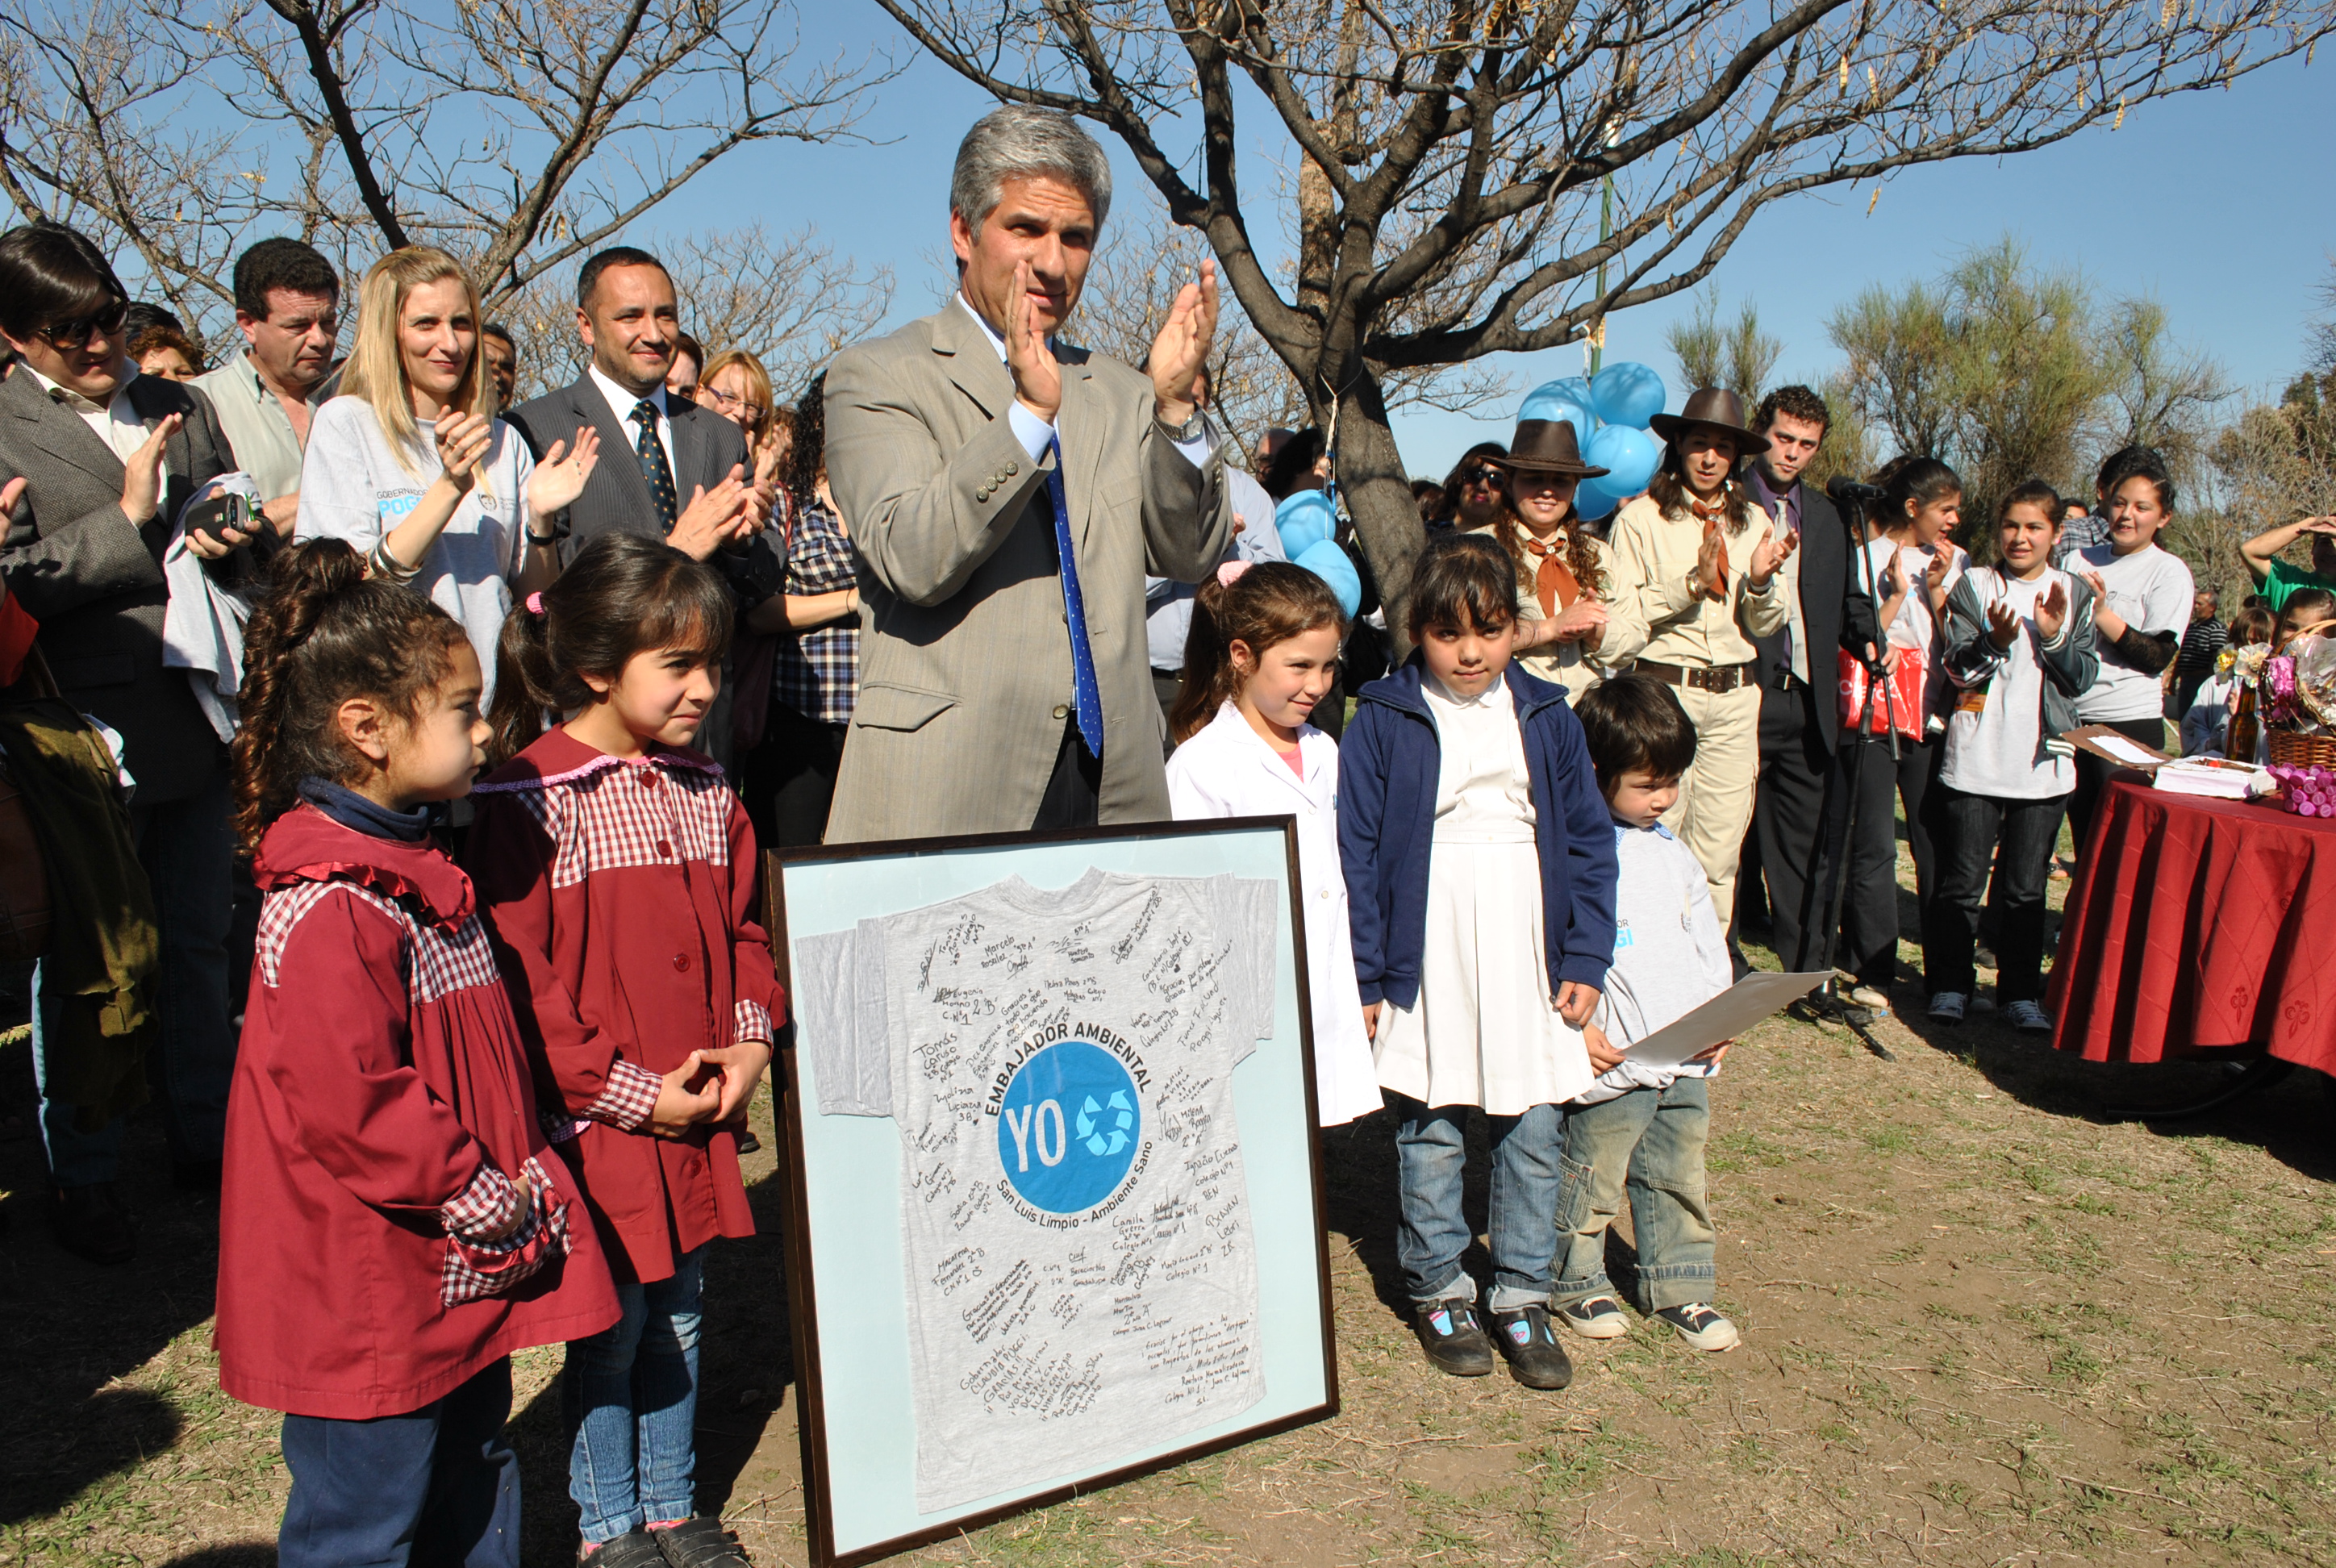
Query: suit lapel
[58, 431]
[967, 358]
[1079, 427]
[589, 407]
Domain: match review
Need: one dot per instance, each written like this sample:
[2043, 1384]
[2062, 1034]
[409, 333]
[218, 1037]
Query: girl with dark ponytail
[392, 1223]
[618, 872]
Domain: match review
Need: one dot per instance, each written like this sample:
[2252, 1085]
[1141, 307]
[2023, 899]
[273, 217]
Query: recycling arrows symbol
[1090, 1113]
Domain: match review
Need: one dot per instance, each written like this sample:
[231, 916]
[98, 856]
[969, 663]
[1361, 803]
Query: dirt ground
[1984, 1325]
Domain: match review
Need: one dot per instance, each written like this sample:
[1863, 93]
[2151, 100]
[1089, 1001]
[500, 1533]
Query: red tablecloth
[2195, 924]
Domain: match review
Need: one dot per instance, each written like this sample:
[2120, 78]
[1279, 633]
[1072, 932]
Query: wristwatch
[1191, 430]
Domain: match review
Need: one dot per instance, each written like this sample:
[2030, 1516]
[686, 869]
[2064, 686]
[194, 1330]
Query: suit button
[681, 962]
[982, 494]
[1062, 710]
[1013, 468]
[665, 849]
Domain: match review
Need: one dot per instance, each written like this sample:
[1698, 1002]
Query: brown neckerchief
[1713, 515]
[1554, 584]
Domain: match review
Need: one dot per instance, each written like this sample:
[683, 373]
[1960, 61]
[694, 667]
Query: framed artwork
[1054, 1201]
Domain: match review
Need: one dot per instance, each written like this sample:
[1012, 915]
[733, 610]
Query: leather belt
[1713, 678]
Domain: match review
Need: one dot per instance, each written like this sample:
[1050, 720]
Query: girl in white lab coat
[1263, 651]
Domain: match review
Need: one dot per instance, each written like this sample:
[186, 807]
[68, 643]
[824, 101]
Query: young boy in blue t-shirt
[1640, 1129]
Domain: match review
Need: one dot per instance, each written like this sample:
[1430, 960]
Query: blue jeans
[1431, 1158]
[1649, 1143]
[629, 1394]
[190, 859]
[438, 1486]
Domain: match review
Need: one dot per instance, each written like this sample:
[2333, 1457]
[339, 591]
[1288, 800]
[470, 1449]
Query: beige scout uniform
[1653, 564]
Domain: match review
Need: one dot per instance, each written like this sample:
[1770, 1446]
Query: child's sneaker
[1598, 1317]
[1701, 1326]
[1450, 1333]
[2028, 1017]
[1535, 1357]
[699, 1543]
[1947, 1007]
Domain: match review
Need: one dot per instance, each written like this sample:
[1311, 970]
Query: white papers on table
[1724, 1017]
[2127, 752]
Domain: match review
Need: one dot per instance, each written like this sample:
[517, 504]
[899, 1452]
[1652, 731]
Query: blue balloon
[1593, 501]
[1630, 454]
[1329, 562]
[1303, 519]
[1544, 404]
[1627, 393]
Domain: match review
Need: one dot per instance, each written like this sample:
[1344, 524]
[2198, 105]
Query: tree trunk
[1378, 494]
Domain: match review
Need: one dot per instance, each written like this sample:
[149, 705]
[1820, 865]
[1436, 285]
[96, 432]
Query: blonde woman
[410, 464]
[1700, 558]
[1571, 629]
[734, 386]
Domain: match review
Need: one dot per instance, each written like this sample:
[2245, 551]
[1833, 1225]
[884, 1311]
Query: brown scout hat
[1714, 408]
[1546, 446]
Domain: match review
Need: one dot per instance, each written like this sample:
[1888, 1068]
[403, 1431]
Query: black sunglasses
[1486, 475]
[77, 332]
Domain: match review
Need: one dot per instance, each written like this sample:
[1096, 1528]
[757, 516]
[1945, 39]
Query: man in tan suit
[1007, 495]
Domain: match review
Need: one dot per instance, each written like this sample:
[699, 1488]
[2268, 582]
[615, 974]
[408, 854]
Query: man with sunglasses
[109, 458]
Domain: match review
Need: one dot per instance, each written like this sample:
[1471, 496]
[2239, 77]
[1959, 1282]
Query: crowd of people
[489, 704]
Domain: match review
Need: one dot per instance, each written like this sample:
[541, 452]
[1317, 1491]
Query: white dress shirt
[621, 403]
[116, 423]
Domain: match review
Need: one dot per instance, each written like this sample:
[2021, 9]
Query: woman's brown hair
[1581, 554]
[622, 594]
[326, 633]
[1669, 488]
[1269, 603]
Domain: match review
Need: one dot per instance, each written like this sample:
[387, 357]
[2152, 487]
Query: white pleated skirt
[1486, 1030]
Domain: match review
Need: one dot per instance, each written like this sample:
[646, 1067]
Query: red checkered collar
[558, 757]
[305, 845]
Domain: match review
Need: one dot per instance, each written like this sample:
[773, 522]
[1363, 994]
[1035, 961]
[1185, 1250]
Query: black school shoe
[1449, 1332]
[701, 1543]
[633, 1549]
[1535, 1357]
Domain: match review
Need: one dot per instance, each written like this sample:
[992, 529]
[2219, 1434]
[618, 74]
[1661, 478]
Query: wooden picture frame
[842, 1171]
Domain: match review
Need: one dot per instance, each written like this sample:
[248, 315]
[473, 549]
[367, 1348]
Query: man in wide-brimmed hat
[1568, 630]
[1700, 559]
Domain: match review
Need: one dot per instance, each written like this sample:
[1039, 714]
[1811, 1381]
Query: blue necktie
[1085, 697]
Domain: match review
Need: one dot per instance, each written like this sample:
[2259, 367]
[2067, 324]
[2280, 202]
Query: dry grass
[1982, 1327]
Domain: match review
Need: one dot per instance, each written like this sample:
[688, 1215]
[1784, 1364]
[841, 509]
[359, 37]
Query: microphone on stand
[1844, 490]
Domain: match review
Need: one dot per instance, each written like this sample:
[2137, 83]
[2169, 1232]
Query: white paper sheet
[2126, 752]
[1724, 1017]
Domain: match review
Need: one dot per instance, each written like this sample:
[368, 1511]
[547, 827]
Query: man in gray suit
[1007, 495]
[109, 457]
[687, 483]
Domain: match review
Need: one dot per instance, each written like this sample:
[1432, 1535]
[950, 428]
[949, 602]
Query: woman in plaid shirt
[791, 778]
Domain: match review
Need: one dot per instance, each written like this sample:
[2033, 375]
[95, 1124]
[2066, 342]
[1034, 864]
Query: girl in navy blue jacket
[1480, 873]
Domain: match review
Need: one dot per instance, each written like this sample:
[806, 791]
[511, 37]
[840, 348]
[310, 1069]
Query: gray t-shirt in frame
[1075, 1224]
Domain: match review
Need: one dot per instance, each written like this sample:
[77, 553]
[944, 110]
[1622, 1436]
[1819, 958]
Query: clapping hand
[2003, 623]
[1769, 555]
[560, 478]
[1037, 378]
[715, 517]
[1582, 620]
[2052, 610]
[1893, 581]
[10, 493]
[1934, 579]
[141, 476]
[1183, 347]
[461, 441]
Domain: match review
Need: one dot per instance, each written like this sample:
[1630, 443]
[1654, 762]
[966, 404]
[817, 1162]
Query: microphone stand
[1827, 1005]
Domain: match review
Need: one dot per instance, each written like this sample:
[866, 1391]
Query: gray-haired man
[1007, 495]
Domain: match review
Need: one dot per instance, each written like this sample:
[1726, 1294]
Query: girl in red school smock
[618, 871]
[392, 1223]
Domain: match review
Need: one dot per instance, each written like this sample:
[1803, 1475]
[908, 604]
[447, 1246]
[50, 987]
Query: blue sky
[2221, 205]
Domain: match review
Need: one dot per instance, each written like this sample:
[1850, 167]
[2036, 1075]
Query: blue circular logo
[1068, 1127]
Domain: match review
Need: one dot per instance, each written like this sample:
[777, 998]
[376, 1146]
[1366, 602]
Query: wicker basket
[2289, 749]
